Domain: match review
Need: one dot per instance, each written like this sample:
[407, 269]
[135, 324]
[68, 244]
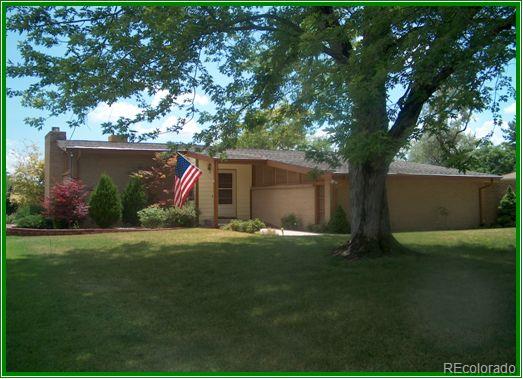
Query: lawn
[211, 300]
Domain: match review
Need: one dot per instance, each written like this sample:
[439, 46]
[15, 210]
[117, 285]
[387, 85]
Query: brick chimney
[117, 138]
[55, 162]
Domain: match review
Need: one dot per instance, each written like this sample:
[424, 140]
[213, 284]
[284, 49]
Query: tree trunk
[370, 225]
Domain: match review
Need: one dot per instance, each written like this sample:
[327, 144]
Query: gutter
[480, 197]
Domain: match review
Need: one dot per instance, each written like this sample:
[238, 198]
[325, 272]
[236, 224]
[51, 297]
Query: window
[225, 188]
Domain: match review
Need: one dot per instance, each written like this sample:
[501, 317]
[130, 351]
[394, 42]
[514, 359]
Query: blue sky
[19, 134]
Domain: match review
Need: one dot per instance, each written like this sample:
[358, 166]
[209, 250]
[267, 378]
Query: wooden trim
[284, 186]
[316, 205]
[194, 155]
[250, 191]
[215, 190]
[290, 167]
[243, 161]
[197, 195]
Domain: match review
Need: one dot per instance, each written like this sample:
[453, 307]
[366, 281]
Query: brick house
[269, 184]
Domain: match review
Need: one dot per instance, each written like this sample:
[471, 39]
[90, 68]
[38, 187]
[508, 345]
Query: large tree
[344, 65]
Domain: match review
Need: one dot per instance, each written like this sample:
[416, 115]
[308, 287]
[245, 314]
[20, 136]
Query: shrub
[338, 222]
[507, 209]
[291, 222]
[152, 217]
[31, 221]
[133, 200]
[317, 228]
[185, 216]
[105, 207]
[10, 219]
[246, 226]
[66, 205]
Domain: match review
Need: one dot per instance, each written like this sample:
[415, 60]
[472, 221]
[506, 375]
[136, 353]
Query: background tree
[10, 207]
[494, 159]
[280, 128]
[457, 149]
[27, 178]
[340, 63]
[451, 148]
[509, 134]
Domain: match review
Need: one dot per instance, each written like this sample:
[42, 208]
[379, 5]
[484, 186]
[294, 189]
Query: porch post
[215, 191]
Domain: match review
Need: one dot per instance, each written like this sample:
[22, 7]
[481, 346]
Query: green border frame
[7, 3]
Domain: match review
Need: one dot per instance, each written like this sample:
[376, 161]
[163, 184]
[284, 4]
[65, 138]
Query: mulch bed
[13, 231]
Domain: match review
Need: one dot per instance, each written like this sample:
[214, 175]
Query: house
[268, 184]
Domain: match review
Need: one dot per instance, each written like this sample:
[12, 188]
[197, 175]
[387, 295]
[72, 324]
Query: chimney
[117, 138]
[54, 164]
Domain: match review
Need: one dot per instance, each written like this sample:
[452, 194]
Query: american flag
[185, 177]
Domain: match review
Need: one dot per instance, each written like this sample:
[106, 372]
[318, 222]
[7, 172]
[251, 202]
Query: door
[227, 194]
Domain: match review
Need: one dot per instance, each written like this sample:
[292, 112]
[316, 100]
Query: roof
[106, 145]
[509, 176]
[291, 157]
[396, 168]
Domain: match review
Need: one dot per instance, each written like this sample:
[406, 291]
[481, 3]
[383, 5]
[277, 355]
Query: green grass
[212, 300]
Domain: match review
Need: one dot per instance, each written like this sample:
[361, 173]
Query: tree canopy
[323, 59]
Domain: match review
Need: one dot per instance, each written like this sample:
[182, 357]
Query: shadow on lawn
[255, 304]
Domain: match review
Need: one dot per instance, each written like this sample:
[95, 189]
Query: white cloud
[511, 109]
[487, 127]
[182, 99]
[320, 133]
[11, 158]
[111, 113]
[184, 135]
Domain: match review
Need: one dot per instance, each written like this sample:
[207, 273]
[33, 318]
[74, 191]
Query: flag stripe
[185, 177]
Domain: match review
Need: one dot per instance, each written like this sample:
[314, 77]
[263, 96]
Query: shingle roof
[396, 168]
[106, 145]
[290, 157]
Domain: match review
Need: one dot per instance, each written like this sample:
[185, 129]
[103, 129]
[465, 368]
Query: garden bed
[14, 231]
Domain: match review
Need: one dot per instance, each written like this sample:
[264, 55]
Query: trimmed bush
[105, 207]
[186, 216]
[246, 226]
[31, 221]
[66, 205]
[291, 222]
[507, 209]
[133, 200]
[338, 222]
[152, 217]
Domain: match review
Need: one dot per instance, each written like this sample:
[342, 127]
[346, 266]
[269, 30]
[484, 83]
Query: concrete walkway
[278, 232]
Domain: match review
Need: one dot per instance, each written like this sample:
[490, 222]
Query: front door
[227, 194]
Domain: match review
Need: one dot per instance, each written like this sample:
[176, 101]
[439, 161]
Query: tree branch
[419, 92]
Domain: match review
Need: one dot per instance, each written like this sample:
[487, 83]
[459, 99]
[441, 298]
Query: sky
[20, 135]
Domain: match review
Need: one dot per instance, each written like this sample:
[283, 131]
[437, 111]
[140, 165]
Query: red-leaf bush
[66, 206]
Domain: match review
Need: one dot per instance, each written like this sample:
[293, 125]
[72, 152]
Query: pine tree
[133, 200]
[338, 222]
[105, 207]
